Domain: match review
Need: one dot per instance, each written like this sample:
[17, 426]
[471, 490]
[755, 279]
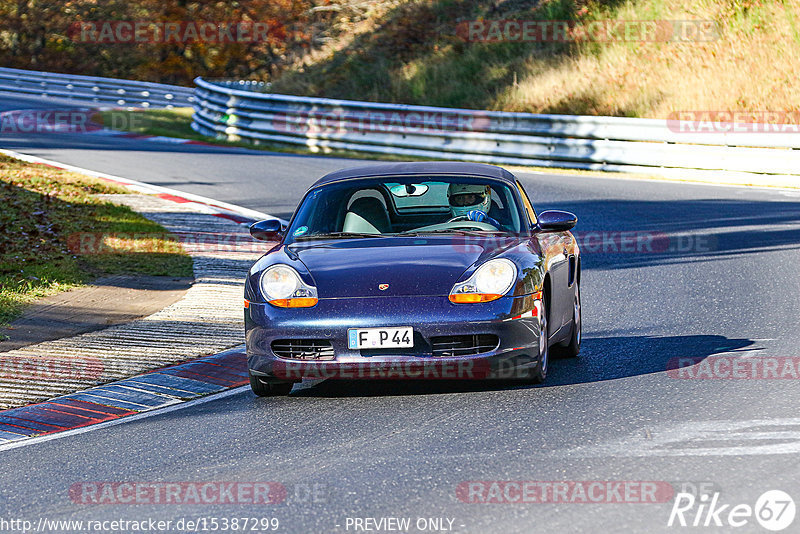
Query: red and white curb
[166, 389]
[199, 203]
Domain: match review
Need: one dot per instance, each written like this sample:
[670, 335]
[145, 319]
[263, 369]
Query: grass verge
[43, 208]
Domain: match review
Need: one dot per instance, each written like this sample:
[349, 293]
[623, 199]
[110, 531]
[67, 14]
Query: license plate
[393, 337]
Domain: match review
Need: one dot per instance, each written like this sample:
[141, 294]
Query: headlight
[283, 287]
[489, 282]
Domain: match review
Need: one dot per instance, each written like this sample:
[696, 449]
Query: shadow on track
[683, 231]
[605, 358]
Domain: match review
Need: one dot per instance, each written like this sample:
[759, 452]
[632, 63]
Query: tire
[573, 347]
[539, 372]
[269, 389]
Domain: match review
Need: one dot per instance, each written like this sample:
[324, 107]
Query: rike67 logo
[774, 510]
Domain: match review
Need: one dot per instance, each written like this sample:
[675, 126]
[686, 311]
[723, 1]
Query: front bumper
[508, 318]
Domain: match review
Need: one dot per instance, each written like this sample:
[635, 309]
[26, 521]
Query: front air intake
[303, 349]
[466, 345]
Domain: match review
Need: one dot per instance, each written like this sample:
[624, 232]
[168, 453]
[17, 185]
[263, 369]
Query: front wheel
[269, 389]
[573, 348]
[540, 371]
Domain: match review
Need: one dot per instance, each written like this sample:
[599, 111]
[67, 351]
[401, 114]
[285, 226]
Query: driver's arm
[480, 216]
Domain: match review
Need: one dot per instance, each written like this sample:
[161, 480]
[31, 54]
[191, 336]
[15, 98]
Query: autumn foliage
[46, 35]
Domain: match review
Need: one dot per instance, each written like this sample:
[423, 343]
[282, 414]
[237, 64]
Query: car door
[555, 248]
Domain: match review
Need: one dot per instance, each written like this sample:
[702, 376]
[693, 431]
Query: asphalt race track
[723, 281]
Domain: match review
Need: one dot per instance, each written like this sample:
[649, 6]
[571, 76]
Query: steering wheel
[466, 218]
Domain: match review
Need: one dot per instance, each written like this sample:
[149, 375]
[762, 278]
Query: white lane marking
[782, 189]
[703, 438]
[707, 180]
[126, 419]
[213, 206]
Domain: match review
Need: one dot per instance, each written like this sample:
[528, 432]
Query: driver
[472, 202]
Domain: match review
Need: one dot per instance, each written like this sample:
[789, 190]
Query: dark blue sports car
[413, 270]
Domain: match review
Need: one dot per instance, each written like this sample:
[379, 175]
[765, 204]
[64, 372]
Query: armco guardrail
[242, 110]
[109, 91]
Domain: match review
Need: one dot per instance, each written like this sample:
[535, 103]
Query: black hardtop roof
[419, 168]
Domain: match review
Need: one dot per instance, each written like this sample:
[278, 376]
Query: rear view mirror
[556, 221]
[409, 190]
[268, 230]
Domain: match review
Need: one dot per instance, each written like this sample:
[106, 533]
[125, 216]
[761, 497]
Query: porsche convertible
[429, 270]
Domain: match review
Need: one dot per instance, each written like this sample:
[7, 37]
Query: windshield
[406, 205]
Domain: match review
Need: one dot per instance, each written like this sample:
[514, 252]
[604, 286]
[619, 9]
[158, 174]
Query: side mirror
[556, 221]
[269, 230]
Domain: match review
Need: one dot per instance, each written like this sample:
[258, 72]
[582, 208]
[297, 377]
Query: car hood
[411, 266]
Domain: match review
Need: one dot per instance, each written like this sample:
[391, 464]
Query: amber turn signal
[300, 302]
[467, 298]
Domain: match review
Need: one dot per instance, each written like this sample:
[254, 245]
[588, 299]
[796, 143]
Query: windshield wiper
[451, 231]
[338, 235]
